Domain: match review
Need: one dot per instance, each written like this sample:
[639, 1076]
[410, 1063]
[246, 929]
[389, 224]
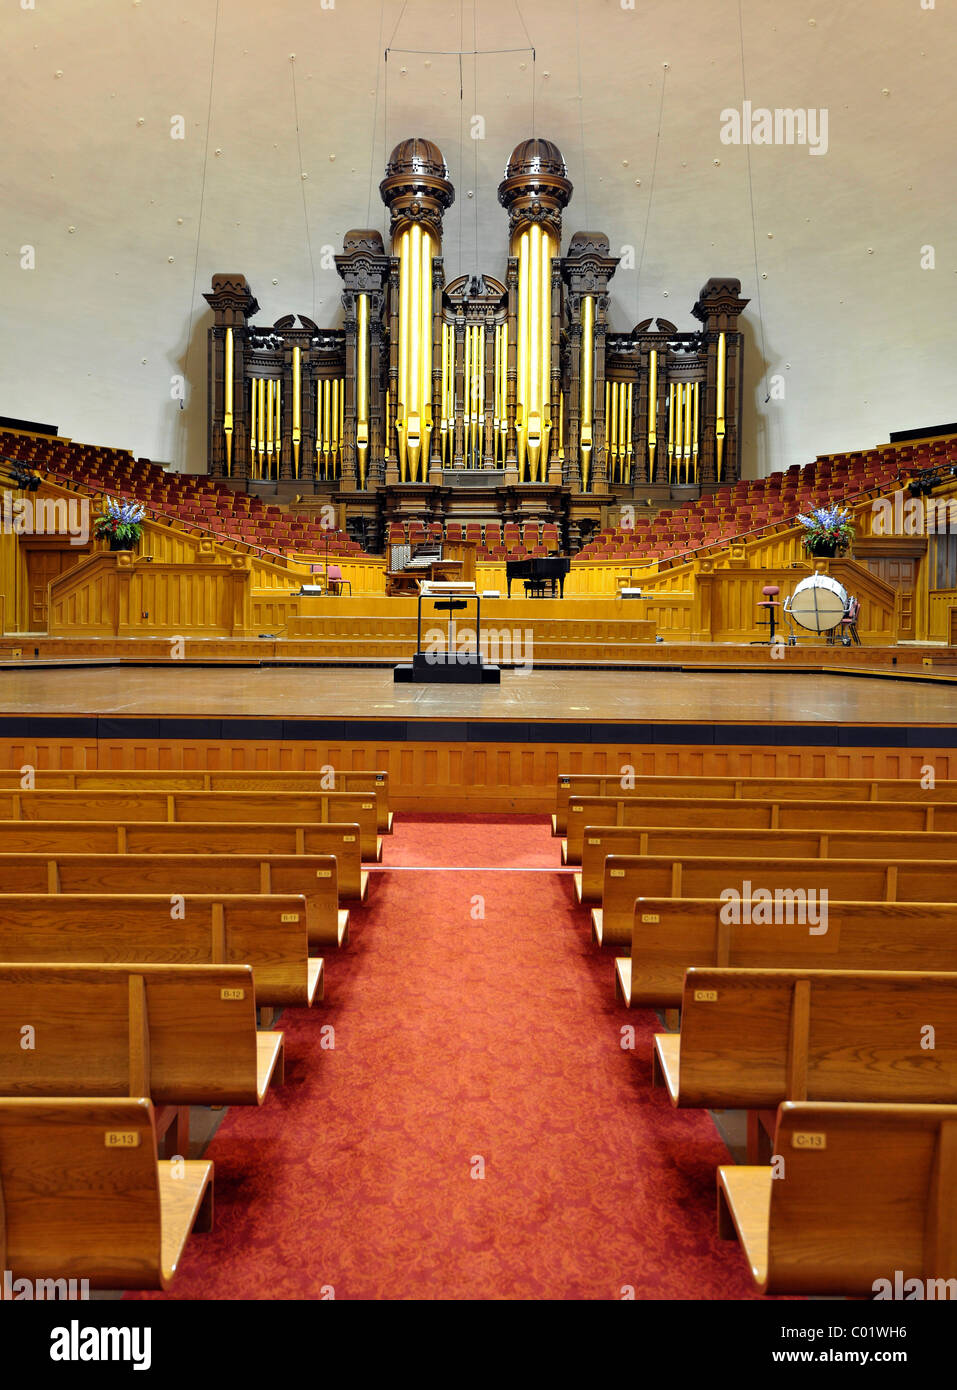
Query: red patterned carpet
[466, 1044]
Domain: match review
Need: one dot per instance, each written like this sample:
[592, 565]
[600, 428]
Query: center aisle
[475, 1032]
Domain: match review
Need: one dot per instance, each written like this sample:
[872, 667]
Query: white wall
[862, 336]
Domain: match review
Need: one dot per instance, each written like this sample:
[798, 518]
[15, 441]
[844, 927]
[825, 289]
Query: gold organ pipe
[296, 406]
[629, 438]
[270, 423]
[694, 434]
[405, 334]
[504, 389]
[689, 420]
[545, 330]
[587, 385]
[496, 399]
[261, 436]
[671, 429]
[228, 402]
[652, 411]
[342, 416]
[622, 429]
[444, 418]
[334, 439]
[481, 391]
[253, 402]
[719, 425]
[467, 396]
[278, 430]
[611, 426]
[561, 426]
[521, 350]
[362, 387]
[326, 418]
[536, 249]
[679, 425]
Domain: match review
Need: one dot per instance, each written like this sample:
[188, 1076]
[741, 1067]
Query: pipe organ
[430, 383]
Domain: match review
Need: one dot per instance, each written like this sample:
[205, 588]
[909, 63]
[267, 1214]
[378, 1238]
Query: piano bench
[534, 588]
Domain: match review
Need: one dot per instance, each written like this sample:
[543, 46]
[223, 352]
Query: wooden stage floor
[648, 700]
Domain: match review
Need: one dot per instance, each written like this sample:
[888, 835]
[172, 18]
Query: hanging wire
[475, 186]
[754, 229]
[461, 128]
[202, 201]
[651, 195]
[581, 114]
[302, 186]
[375, 114]
[529, 37]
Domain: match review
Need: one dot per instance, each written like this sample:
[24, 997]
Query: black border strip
[478, 731]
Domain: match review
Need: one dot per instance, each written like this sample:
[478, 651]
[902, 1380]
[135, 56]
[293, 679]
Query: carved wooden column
[718, 308]
[233, 305]
[586, 271]
[364, 268]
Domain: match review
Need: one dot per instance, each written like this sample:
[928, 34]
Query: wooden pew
[600, 841]
[672, 935]
[169, 837]
[85, 1196]
[752, 1038]
[139, 779]
[602, 812]
[234, 807]
[180, 1034]
[628, 877]
[312, 876]
[867, 1191]
[268, 933]
[746, 788]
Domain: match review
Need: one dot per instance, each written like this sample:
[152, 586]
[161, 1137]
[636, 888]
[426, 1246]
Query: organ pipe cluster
[520, 376]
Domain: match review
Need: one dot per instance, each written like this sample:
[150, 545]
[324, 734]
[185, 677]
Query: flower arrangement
[827, 531]
[120, 523]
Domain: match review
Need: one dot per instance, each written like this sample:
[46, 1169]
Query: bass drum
[818, 603]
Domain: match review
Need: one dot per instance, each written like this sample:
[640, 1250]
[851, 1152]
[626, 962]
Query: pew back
[781, 844]
[268, 933]
[187, 807]
[84, 1196]
[595, 811]
[628, 877]
[180, 1034]
[752, 1038]
[747, 788]
[164, 837]
[672, 935]
[229, 780]
[312, 876]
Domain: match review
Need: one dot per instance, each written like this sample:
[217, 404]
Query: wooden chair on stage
[335, 581]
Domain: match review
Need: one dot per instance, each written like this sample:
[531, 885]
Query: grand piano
[541, 570]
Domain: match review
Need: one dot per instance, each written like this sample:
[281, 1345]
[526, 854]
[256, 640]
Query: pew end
[744, 1210]
[666, 1063]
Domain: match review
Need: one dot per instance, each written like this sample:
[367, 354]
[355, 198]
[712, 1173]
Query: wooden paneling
[485, 777]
